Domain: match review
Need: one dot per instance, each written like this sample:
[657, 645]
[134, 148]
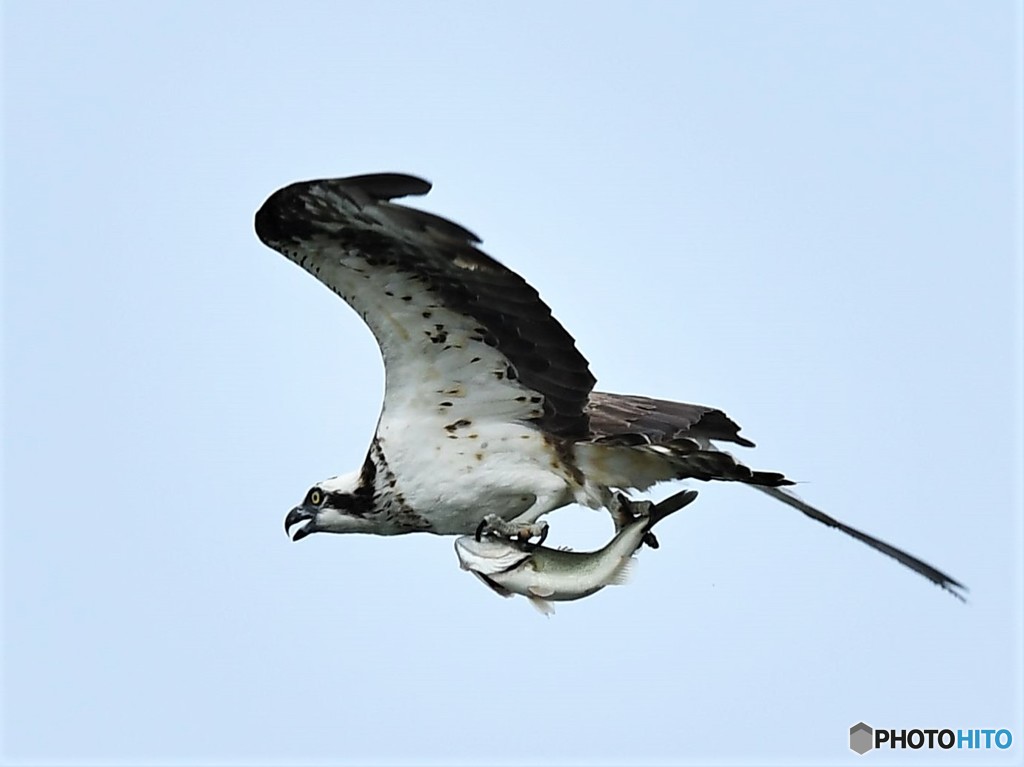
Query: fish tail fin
[625, 512]
[670, 505]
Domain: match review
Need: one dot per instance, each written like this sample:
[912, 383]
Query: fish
[544, 575]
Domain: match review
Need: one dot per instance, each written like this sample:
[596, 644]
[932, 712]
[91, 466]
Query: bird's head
[336, 505]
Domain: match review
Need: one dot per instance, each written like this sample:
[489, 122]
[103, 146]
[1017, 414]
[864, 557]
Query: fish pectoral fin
[541, 605]
[541, 591]
[623, 572]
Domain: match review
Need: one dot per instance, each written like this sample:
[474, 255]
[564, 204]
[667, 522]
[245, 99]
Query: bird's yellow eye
[315, 497]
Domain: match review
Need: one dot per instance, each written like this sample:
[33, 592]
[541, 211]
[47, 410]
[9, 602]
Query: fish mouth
[300, 522]
[465, 553]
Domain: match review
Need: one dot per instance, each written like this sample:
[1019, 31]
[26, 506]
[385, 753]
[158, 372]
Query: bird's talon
[543, 533]
[494, 525]
[537, 529]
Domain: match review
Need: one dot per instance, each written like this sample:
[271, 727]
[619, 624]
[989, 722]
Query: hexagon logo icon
[862, 738]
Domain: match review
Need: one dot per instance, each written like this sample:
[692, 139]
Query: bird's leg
[635, 508]
[526, 525]
[624, 511]
[494, 525]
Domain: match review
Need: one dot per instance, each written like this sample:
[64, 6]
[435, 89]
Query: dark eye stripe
[354, 504]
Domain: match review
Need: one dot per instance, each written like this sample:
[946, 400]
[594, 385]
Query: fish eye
[314, 497]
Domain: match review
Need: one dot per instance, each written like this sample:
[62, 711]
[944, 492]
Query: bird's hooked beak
[300, 515]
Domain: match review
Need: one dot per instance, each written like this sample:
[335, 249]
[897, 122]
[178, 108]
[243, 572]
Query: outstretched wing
[460, 333]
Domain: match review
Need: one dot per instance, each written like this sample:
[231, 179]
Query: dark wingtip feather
[919, 566]
[385, 186]
[284, 214]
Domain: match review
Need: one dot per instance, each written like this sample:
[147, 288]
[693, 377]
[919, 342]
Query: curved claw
[543, 535]
[493, 525]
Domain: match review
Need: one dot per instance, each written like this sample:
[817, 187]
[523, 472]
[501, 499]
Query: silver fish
[545, 575]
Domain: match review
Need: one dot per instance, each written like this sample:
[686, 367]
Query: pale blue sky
[807, 214]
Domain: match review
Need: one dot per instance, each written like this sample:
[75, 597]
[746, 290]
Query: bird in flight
[490, 419]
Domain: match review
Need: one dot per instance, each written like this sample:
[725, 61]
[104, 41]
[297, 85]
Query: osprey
[489, 417]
